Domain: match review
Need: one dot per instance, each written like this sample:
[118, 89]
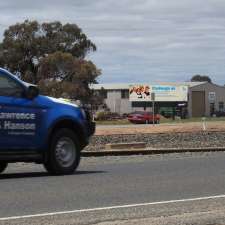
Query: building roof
[125, 86]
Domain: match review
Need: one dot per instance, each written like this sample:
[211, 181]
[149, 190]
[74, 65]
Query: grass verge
[163, 120]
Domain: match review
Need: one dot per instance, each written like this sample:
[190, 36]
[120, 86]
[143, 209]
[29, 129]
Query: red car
[143, 117]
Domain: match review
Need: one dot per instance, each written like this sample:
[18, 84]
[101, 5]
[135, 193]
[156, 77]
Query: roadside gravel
[161, 140]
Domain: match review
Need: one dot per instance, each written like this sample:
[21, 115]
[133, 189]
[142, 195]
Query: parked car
[220, 113]
[143, 117]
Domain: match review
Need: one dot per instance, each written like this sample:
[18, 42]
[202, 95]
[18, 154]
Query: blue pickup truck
[40, 129]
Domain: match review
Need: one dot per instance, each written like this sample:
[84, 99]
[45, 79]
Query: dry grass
[161, 128]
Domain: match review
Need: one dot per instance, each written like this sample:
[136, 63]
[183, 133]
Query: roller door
[198, 103]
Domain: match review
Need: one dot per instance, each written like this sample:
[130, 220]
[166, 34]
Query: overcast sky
[139, 40]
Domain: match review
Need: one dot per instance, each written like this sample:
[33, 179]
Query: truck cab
[41, 129]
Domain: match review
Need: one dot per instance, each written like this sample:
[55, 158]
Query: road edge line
[110, 208]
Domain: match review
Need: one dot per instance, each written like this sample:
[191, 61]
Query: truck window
[9, 87]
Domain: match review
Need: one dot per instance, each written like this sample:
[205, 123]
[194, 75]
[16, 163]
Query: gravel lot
[162, 140]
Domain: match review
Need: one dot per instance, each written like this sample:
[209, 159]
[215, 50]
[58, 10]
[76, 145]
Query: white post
[203, 123]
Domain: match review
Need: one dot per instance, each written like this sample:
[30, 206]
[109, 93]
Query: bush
[103, 115]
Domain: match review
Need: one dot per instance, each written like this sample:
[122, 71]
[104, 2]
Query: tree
[62, 75]
[25, 44]
[201, 78]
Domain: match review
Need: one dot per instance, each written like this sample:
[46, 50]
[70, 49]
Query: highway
[136, 187]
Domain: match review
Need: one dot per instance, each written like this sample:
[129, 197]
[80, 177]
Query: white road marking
[110, 208]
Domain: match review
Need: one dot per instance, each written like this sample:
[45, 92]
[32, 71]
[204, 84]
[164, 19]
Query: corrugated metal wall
[198, 103]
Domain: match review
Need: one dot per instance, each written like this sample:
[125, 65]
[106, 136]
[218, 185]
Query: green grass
[191, 120]
[163, 120]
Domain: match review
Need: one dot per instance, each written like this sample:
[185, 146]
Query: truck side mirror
[32, 92]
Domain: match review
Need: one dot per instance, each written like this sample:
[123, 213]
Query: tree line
[201, 78]
[51, 55]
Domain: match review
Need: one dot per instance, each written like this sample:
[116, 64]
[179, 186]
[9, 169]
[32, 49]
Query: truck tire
[64, 153]
[3, 166]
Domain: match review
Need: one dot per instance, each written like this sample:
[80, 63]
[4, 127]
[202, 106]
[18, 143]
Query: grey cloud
[144, 39]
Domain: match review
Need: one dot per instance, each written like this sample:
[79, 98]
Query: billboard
[160, 93]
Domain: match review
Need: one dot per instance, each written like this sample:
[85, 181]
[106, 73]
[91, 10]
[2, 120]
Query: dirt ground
[160, 128]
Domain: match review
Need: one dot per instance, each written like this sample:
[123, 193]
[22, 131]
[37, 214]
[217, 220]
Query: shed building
[202, 99]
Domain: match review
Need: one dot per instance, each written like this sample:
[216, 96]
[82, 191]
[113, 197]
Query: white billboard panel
[163, 93]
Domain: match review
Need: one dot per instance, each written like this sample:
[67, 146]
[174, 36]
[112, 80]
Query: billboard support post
[153, 107]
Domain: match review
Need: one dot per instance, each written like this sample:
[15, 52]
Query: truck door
[20, 118]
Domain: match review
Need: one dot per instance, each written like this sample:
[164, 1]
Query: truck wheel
[64, 153]
[3, 166]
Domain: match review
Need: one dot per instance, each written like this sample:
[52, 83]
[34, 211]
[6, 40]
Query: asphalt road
[114, 181]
